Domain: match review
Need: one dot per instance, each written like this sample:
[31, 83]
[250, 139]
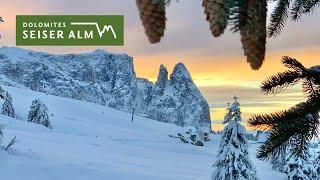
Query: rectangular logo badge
[73, 30]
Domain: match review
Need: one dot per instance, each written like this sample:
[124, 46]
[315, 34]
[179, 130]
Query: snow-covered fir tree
[1, 133]
[317, 164]
[7, 107]
[39, 113]
[233, 161]
[299, 167]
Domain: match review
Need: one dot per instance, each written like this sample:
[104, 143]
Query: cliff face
[108, 79]
[178, 100]
[98, 77]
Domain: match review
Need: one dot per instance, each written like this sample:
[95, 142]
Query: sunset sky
[217, 65]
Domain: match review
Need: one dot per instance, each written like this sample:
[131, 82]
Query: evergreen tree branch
[280, 82]
[307, 129]
[275, 143]
[310, 89]
[297, 9]
[293, 64]
[300, 110]
[297, 133]
[264, 120]
[278, 18]
[296, 126]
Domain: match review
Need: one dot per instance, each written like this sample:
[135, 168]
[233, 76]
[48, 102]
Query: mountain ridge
[108, 79]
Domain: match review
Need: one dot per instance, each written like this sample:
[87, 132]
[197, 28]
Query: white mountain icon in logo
[106, 28]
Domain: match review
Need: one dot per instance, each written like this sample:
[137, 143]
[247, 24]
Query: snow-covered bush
[233, 158]
[39, 113]
[10, 144]
[299, 168]
[193, 135]
[7, 107]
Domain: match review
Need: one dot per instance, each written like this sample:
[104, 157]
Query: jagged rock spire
[161, 80]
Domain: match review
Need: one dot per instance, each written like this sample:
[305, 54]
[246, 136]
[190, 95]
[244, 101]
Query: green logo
[74, 30]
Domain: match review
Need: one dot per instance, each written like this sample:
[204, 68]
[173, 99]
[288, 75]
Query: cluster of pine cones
[253, 32]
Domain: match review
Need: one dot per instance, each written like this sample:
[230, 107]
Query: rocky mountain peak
[108, 79]
[180, 68]
[180, 73]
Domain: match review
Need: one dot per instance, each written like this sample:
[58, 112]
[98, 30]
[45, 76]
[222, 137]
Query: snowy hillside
[92, 142]
[108, 79]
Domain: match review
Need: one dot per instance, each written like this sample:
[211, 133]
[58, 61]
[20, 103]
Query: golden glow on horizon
[227, 71]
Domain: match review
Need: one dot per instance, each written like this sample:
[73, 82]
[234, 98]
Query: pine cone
[217, 14]
[153, 17]
[253, 34]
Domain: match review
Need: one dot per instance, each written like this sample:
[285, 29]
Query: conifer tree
[7, 107]
[317, 164]
[299, 167]
[39, 114]
[233, 159]
[1, 133]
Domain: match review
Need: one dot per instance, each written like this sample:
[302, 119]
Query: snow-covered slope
[107, 79]
[93, 142]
